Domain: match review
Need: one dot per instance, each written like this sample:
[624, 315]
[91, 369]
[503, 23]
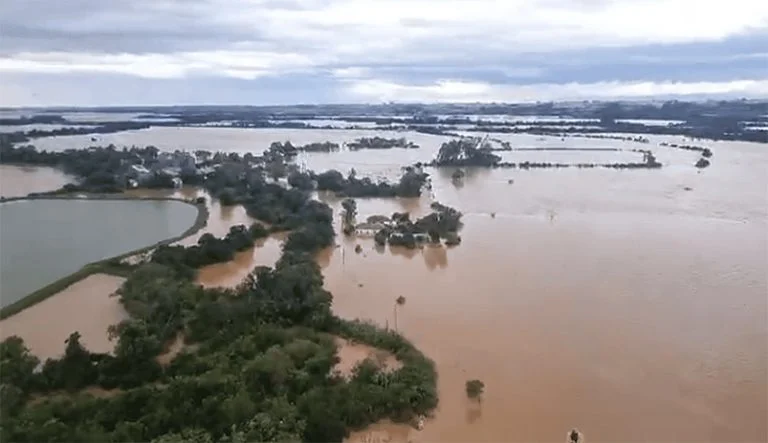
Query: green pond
[42, 241]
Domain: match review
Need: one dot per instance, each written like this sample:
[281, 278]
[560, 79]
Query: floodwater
[617, 302]
[240, 140]
[628, 304]
[44, 240]
[220, 220]
[85, 307]
[18, 181]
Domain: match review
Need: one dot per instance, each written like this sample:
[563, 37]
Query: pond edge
[107, 265]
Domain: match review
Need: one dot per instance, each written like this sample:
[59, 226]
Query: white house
[368, 229]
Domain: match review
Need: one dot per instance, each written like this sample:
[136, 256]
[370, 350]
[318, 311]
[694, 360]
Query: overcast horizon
[269, 52]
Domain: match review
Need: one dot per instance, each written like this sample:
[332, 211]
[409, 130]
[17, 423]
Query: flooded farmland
[629, 304]
[18, 181]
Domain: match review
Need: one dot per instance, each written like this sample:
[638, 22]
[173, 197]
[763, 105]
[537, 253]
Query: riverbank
[111, 265]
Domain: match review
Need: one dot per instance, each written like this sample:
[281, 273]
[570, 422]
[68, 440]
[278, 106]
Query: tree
[475, 389]
[350, 211]
[411, 183]
[300, 180]
[227, 197]
[331, 180]
[399, 301]
[574, 436]
[465, 152]
[17, 363]
[74, 371]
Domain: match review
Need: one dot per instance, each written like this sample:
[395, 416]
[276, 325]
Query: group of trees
[381, 143]
[288, 149]
[99, 168]
[410, 184]
[261, 368]
[443, 223]
[210, 249]
[464, 152]
[468, 152]
[705, 152]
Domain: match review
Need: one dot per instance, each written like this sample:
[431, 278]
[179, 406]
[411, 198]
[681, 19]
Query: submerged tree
[399, 301]
[350, 211]
[574, 436]
[475, 389]
[465, 152]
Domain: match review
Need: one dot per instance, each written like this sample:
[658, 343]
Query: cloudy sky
[125, 52]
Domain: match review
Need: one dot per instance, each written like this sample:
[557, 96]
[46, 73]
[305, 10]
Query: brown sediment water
[220, 218]
[564, 334]
[18, 181]
[230, 274]
[616, 302]
[86, 307]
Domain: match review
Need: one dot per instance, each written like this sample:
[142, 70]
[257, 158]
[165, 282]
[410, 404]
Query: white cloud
[270, 36]
[390, 49]
[458, 91]
[237, 64]
[351, 72]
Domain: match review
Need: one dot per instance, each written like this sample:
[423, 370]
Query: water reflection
[435, 257]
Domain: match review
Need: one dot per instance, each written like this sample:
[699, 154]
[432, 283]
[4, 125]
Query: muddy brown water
[85, 307]
[18, 181]
[616, 302]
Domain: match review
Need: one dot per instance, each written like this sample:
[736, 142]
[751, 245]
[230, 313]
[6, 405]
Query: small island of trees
[443, 223]
[467, 152]
[381, 143]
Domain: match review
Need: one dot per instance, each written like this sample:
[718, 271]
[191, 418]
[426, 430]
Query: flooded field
[209, 138]
[18, 181]
[629, 304]
[85, 307]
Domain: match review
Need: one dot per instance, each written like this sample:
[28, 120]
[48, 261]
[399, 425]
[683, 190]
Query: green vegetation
[262, 368]
[443, 223]
[473, 152]
[381, 143]
[410, 184]
[210, 249]
[465, 152]
[106, 169]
